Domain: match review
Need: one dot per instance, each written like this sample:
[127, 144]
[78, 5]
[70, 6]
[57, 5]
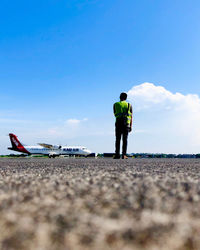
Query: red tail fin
[16, 144]
[14, 141]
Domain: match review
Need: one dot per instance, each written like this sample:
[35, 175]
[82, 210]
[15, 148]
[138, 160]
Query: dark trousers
[121, 130]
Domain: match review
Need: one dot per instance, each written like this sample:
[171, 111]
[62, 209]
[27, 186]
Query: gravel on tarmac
[68, 203]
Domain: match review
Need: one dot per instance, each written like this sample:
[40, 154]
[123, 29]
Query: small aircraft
[47, 149]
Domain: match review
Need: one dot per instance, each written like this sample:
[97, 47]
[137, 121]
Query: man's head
[123, 96]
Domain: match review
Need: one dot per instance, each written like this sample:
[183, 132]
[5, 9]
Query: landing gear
[52, 156]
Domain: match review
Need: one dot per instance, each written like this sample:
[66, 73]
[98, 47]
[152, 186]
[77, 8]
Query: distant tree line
[146, 155]
[150, 155]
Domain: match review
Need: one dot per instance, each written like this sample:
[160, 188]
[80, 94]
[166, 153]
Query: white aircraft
[47, 149]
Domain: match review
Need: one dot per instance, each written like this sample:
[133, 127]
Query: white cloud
[167, 114]
[147, 95]
[69, 128]
[73, 121]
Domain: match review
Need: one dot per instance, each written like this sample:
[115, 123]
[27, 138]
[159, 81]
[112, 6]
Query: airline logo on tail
[14, 141]
[16, 145]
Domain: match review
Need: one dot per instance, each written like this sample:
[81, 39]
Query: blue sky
[65, 61]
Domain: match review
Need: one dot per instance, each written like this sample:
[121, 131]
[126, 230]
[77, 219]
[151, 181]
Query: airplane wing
[46, 145]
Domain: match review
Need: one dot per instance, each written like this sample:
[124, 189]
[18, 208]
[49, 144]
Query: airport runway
[99, 204]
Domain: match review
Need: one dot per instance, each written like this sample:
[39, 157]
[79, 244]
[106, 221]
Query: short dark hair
[123, 96]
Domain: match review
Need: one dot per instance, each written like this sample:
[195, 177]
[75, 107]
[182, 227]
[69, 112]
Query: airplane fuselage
[63, 150]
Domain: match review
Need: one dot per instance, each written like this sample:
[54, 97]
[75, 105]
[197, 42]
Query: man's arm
[114, 109]
[131, 110]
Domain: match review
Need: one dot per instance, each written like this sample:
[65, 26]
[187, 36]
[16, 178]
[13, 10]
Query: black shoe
[116, 157]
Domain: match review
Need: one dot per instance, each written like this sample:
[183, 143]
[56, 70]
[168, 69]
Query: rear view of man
[123, 125]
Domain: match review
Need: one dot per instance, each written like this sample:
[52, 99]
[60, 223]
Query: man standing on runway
[123, 125]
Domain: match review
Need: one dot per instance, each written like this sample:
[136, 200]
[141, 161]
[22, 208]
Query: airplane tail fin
[14, 141]
[16, 144]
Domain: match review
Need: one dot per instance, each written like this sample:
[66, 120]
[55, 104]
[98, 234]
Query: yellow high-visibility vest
[123, 110]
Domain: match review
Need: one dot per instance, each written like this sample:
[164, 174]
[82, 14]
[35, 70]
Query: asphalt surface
[99, 204]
